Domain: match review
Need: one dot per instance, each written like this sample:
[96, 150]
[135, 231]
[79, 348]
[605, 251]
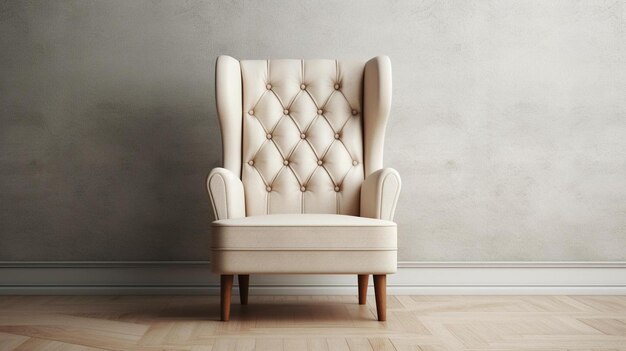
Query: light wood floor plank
[317, 344]
[381, 344]
[333, 323]
[359, 344]
[607, 326]
[337, 344]
[9, 342]
[202, 348]
[245, 344]
[34, 344]
[225, 344]
[269, 344]
[295, 344]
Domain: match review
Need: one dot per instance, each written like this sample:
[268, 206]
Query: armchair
[303, 189]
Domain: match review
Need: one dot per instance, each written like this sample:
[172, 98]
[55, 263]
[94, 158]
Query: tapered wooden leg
[244, 281]
[226, 289]
[380, 289]
[363, 279]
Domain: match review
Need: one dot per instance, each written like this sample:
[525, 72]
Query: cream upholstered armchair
[303, 188]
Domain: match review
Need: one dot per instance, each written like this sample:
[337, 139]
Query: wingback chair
[303, 189]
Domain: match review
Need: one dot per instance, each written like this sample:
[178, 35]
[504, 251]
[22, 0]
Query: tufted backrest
[300, 133]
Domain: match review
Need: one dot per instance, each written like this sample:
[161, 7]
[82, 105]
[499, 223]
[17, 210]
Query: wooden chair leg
[244, 282]
[380, 289]
[363, 280]
[226, 289]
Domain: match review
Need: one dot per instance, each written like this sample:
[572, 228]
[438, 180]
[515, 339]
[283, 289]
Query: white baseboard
[193, 277]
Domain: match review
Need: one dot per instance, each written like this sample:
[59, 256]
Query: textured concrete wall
[508, 126]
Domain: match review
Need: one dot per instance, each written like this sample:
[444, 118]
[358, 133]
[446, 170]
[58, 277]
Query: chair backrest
[301, 133]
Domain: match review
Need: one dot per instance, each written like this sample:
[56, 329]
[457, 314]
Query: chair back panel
[302, 136]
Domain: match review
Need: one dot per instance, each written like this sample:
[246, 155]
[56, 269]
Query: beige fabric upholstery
[299, 138]
[377, 92]
[379, 194]
[228, 100]
[280, 243]
[226, 194]
[302, 136]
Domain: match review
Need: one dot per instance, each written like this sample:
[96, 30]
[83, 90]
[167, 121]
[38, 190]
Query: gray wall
[508, 126]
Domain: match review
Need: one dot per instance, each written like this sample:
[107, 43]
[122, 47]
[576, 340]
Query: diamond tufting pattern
[302, 136]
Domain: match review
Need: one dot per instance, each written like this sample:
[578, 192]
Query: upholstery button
[320, 111]
[268, 86]
[355, 162]
[302, 188]
[269, 188]
[251, 163]
[336, 189]
[302, 136]
[285, 162]
[269, 136]
[337, 86]
[286, 111]
[251, 112]
[302, 86]
[355, 112]
[336, 135]
[319, 162]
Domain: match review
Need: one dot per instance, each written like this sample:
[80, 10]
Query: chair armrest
[226, 194]
[379, 194]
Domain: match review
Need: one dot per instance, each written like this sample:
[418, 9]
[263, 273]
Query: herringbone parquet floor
[313, 323]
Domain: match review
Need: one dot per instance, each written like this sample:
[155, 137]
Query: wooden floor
[313, 323]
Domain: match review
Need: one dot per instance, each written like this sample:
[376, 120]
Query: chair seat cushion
[304, 243]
